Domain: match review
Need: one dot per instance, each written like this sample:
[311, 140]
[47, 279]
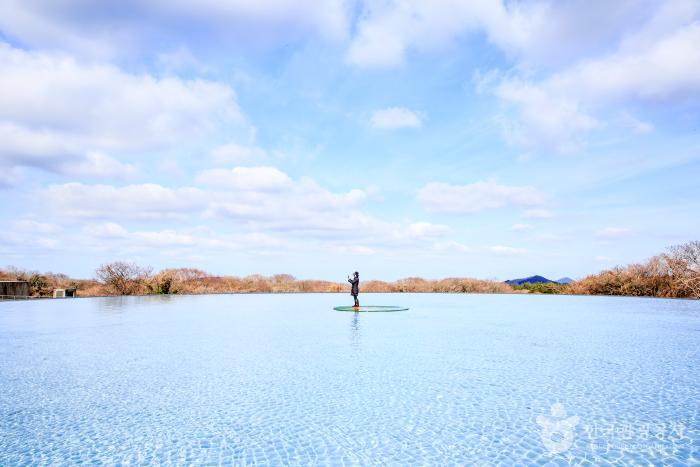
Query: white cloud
[605, 259]
[106, 230]
[328, 18]
[507, 250]
[357, 250]
[388, 30]
[426, 229]
[572, 60]
[537, 214]
[544, 118]
[180, 59]
[255, 201]
[171, 167]
[112, 236]
[146, 201]
[32, 226]
[28, 237]
[167, 237]
[96, 164]
[246, 178]
[520, 227]
[548, 237]
[535, 33]
[9, 176]
[236, 154]
[665, 69]
[268, 198]
[610, 233]
[87, 29]
[65, 116]
[463, 199]
[561, 109]
[452, 246]
[638, 126]
[260, 198]
[302, 209]
[395, 117]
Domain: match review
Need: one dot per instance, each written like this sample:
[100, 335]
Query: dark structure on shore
[65, 293]
[14, 289]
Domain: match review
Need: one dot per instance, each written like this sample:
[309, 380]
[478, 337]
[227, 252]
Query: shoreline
[515, 293]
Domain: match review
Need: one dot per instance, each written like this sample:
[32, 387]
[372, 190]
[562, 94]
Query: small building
[65, 293]
[14, 289]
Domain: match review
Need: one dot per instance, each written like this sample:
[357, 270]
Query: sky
[485, 138]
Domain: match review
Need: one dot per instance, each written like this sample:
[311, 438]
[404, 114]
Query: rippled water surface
[275, 379]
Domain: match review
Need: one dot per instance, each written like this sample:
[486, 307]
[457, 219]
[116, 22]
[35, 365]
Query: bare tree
[122, 277]
[684, 267]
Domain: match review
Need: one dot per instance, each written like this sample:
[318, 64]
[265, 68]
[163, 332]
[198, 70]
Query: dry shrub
[449, 285]
[40, 285]
[124, 278]
[466, 285]
[673, 274]
[176, 281]
[193, 281]
[375, 286]
[683, 262]
[91, 288]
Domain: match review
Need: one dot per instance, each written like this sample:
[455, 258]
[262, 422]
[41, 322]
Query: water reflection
[119, 304]
[355, 336]
[113, 304]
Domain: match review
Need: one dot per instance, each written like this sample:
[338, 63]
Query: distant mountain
[530, 280]
[539, 280]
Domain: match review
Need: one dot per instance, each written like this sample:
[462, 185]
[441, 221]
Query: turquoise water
[283, 379]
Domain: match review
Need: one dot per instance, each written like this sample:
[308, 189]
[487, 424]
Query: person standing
[355, 289]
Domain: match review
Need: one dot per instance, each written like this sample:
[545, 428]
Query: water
[283, 379]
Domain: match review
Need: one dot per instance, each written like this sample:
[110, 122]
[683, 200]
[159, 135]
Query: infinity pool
[284, 379]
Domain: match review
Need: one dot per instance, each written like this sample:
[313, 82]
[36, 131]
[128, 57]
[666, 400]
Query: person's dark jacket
[355, 285]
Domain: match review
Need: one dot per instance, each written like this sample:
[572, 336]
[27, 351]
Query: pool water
[284, 379]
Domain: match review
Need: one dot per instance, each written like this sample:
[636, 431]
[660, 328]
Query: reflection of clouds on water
[160, 298]
[113, 304]
[120, 303]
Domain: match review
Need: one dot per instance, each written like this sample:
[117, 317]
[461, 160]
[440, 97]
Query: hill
[530, 280]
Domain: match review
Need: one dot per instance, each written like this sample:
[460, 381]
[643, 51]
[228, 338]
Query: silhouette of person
[355, 289]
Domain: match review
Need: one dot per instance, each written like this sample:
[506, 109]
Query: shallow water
[272, 379]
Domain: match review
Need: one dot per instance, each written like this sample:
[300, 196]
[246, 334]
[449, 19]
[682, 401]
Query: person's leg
[357, 302]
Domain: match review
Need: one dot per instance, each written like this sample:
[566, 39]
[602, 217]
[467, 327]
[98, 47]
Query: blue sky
[485, 139]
